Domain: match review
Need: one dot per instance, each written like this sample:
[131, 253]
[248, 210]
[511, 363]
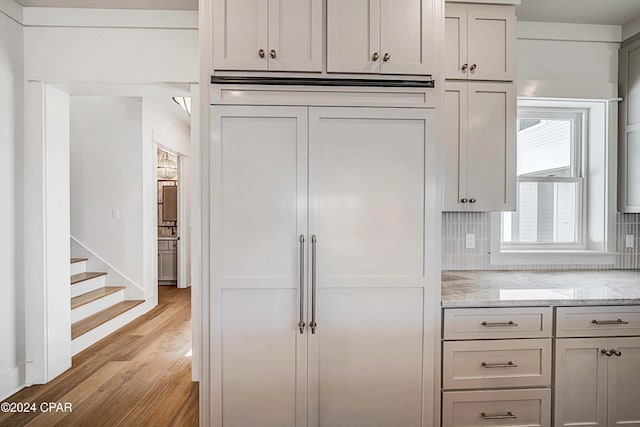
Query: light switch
[628, 241]
[470, 241]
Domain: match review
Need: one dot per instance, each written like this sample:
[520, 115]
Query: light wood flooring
[138, 376]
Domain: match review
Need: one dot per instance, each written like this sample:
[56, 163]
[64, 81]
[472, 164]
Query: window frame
[579, 161]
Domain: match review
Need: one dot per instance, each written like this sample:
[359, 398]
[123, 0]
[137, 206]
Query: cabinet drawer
[173, 245]
[597, 321]
[496, 364]
[497, 408]
[163, 245]
[480, 323]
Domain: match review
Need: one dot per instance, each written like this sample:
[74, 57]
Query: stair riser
[78, 267]
[87, 286]
[95, 335]
[95, 306]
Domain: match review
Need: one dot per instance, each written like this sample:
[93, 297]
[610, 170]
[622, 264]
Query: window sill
[549, 257]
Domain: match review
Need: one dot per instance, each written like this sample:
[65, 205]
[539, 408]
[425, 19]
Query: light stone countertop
[540, 288]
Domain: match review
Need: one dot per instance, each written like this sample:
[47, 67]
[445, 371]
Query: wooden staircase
[97, 310]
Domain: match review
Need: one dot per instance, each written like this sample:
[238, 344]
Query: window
[551, 212]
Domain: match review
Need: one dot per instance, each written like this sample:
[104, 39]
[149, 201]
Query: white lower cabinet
[497, 408]
[317, 294]
[597, 382]
[488, 380]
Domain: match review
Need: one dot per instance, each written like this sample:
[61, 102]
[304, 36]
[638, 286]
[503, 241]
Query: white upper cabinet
[380, 36]
[480, 146]
[267, 35]
[480, 42]
[629, 141]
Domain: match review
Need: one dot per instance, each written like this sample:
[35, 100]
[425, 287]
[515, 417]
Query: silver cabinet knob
[464, 67]
[473, 67]
[375, 56]
[261, 53]
[272, 54]
[386, 57]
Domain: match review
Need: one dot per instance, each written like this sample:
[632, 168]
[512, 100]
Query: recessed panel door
[366, 199]
[258, 205]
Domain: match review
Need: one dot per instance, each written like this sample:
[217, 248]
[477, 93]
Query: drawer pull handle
[509, 364]
[508, 415]
[609, 322]
[499, 324]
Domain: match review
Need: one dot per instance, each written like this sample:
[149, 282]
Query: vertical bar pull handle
[313, 284]
[301, 322]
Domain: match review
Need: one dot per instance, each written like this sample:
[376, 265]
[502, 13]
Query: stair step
[85, 325]
[81, 277]
[74, 260]
[84, 299]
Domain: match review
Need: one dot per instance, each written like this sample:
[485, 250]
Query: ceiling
[605, 12]
[115, 4]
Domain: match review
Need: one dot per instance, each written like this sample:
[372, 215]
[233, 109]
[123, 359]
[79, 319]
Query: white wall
[153, 46]
[12, 356]
[567, 60]
[106, 174]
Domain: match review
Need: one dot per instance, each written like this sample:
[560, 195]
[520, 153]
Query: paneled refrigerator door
[259, 199]
[366, 221]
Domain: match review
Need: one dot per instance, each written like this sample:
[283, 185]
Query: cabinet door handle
[616, 352]
[464, 201]
[301, 322]
[509, 364]
[508, 415]
[609, 322]
[313, 323]
[375, 56]
[472, 200]
[386, 57]
[473, 67]
[464, 67]
[261, 53]
[273, 54]
[499, 324]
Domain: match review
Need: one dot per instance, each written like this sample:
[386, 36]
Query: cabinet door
[367, 206]
[353, 36]
[258, 204]
[455, 52]
[167, 265]
[491, 42]
[491, 147]
[629, 157]
[295, 35]
[406, 36]
[581, 382]
[624, 383]
[239, 33]
[455, 140]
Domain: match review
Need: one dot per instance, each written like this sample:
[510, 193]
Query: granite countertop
[536, 288]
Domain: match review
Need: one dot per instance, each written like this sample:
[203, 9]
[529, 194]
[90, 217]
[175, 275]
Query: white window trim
[509, 257]
[600, 251]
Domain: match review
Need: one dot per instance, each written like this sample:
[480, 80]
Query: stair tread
[74, 260]
[83, 299]
[81, 277]
[83, 326]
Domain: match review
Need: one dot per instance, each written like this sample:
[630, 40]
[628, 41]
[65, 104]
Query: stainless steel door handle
[509, 364]
[301, 322]
[609, 322]
[508, 415]
[313, 284]
[499, 324]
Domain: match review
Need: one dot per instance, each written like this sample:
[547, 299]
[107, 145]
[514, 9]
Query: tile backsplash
[456, 225]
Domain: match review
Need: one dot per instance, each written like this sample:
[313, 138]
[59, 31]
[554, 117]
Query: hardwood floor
[137, 376]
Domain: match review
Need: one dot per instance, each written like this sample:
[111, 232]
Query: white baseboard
[12, 381]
